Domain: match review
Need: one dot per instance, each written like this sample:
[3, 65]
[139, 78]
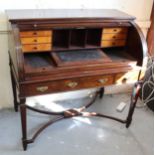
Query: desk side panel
[15, 52]
[137, 45]
[12, 51]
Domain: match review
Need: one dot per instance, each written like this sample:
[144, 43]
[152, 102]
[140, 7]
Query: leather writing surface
[79, 55]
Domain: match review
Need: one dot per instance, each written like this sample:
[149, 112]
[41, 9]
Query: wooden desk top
[31, 14]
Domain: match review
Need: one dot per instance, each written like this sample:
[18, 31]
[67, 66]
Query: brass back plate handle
[103, 81]
[42, 88]
[72, 84]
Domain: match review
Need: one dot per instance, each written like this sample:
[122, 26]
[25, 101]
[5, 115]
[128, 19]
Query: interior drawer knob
[35, 40]
[35, 48]
[34, 33]
[42, 88]
[72, 84]
[103, 81]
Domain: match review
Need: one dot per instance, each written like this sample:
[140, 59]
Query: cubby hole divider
[76, 38]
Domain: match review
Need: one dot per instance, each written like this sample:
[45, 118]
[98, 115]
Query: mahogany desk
[63, 50]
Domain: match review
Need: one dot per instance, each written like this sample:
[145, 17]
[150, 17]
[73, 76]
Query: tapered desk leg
[134, 98]
[23, 122]
[14, 90]
[129, 118]
[101, 92]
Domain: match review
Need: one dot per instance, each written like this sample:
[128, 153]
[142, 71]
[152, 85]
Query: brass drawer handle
[72, 84]
[103, 81]
[42, 88]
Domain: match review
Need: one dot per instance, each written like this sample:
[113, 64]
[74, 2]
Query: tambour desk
[60, 50]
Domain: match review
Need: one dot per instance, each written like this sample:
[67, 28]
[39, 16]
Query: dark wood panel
[44, 14]
[150, 35]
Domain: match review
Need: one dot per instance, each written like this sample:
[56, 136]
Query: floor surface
[81, 136]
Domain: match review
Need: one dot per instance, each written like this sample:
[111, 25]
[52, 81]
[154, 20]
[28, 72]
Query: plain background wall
[141, 9]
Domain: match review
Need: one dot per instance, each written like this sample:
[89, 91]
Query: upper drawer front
[36, 48]
[113, 43]
[67, 85]
[36, 40]
[115, 30]
[114, 36]
[35, 33]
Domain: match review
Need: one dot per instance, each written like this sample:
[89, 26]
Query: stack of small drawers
[36, 41]
[113, 37]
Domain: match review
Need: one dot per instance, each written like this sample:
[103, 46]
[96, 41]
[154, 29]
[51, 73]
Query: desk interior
[47, 61]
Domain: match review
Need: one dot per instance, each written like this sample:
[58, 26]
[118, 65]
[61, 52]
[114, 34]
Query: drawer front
[129, 77]
[35, 33]
[36, 40]
[114, 36]
[114, 30]
[66, 85]
[112, 43]
[36, 47]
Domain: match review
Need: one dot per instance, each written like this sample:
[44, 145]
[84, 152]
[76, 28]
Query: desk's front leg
[23, 122]
[14, 89]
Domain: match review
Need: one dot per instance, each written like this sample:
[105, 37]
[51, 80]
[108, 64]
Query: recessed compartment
[60, 39]
[93, 38]
[38, 62]
[120, 55]
[77, 38]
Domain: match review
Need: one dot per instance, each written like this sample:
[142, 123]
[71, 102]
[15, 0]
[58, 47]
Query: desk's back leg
[23, 122]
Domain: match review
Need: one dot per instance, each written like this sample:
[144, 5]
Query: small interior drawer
[113, 43]
[113, 36]
[35, 40]
[36, 47]
[67, 85]
[114, 30]
[35, 33]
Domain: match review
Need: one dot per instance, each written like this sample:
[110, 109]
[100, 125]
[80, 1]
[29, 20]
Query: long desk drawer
[66, 85]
